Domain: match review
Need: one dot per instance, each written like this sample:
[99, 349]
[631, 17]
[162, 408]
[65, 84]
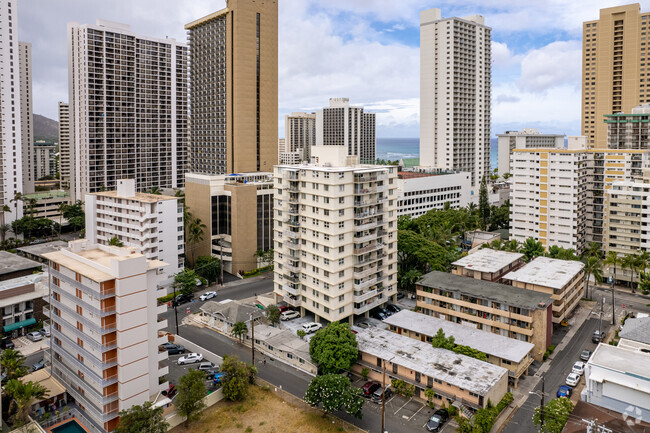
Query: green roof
[410, 162]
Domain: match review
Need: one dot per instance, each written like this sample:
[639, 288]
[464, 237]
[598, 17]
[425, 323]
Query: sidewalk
[264, 276]
[621, 289]
[27, 347]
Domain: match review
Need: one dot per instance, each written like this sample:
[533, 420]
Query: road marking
[422, 407]
[403, 406]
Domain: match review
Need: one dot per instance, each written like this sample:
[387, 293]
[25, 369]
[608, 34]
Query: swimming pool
[69, 426]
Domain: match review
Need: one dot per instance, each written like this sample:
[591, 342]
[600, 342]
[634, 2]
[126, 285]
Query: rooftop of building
[206, 19]
[10, 263]
[528, 132]
[55, 193]
[142, 197]
[486, 342]
[44, 378]
[612, 420]
[40, 249]
[232, 311]
[412, 175]
[283, 340]
[409, 162]
[488, 260]
[458, 370]
[507, 295]
[547, 272]
[636, 330]
[633, 363]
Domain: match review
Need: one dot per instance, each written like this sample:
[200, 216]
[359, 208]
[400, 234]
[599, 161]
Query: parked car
[393, 308]
[173, 349]
[376, 396]
[289, 314]
[369, 388]
[379, 315]
[45, 332]
[437, 420]
[387, 312]
[311, 327]
[585, 355]
[208, 295]
[39, 365]
[572, 379]
[190, 358]
[283, 308]
[363, 325]
[564, 391]
[216, 380]
[209, 374]
[35, 336]
[181, 299]
[206, 365]
[597, 337]
[400, 295]
[6, 343]
[170, 391]
[578, 368]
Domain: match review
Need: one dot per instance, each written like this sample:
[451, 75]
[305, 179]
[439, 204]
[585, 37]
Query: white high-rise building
[335, 235]
[151, 222]
[104, 317]
[455, 82]
[26, 115]
[64, 145]
[300, 136]
[11, 176]
[419, 193]
[342, 124]
[128, 108]
[525, 139]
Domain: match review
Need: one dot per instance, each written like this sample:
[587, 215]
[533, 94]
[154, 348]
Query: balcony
[370, 259]
[366, 226]
[162, 370]
[90, 395]
[291, 234]
[369, 306]
[363, 296]
[295, 291]
[88, 356]
[290, 175]
[365, 238]
[94, 325]
[88, 373]
[101, 312]
[365, 272]
[293, 210]
[71, 329]
[369, 248]
[95, 293]
[367, 283]
[292, 267]
[292, 222]
[294, 301]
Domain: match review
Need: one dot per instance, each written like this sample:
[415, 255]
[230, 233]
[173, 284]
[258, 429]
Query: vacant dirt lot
[265, 411]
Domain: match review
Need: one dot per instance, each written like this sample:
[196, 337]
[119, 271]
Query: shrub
[402, 388]
[364, 373]
[166, 298]
[551, 348]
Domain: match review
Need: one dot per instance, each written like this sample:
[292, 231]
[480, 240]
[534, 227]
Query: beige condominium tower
[614, 57]
[234, 88]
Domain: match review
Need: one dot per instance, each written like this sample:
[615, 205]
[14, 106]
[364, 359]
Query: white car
[578, 368]
[311, 327]
[35, 336]
[572, 379]
[289, 314]
[190, 358]
[208, 295]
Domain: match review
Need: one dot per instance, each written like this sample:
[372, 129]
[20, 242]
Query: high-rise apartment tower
[234, 88]
[455, 81]
[300, 136]
[614, 58]
[128, 108]
[64, 145]
[26, 115]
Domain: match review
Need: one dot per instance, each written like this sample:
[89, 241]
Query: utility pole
[383, 396]
[175, 311]
[253, 338]
[600, 324]
[613, 307]
[221, 260]
[541, 407]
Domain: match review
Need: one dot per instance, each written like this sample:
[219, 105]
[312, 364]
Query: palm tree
[239, 329]
[17, 197]
[61, 208]
[155, 190]
[593, 266]
[115, 242]
[643, 261]
[5, 209]
[593, 250]
[12, 364]
[22, 395]
[195, 235]
[31, 205]
[531, 248]
[629, 262]
[4, 228]
[612, 259]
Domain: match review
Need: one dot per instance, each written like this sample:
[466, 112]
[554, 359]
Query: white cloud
[556, 64]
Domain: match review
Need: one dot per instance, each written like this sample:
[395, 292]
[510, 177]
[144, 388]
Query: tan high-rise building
[234, 88]
[614, 55]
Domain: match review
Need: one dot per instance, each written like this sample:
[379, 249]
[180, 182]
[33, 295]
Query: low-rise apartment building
[488, 264]
[104, 327]
[513, 355]
[14, 266]
[421, 191]
[563, 280]
[459, 379]
[21, 302]
[505, 310]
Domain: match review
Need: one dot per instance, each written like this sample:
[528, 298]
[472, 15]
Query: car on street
[597, 337]
[35, 336]
[181, 299]
[6, 343]
[437, 420]
[39, 365]
[289, 314]
[208, 295]
[564, 391]
[170, 391]
[572, 379]
[190, 358]
[578, 368]
[45, 331]
[206, 365]
[393, 308]
[311, 327]
[369, 388]
[379, 315]
[173, 349]
[584, 355]
[209, 374]
[376, 396]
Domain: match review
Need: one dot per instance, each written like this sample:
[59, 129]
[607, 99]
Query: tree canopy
[185, 281]
[334, 348]
[191, 390]
[142, 419]
[556, 414]
[334, 392]
[272, 313]
[238, 375]
[209, 268]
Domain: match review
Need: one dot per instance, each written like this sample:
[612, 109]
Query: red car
[169, 392]
[283, 308]
[369, 388]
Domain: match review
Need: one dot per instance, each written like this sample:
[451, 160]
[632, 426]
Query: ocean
[398, 148]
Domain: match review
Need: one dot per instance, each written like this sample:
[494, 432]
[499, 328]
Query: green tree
[238, 375]
[115, 242]
[484, 204]
[191, 390]
[593, 250]
[500, 216]
[142, 419]
[556, 414]
[155, 190]
[4, 229]
[629, 262]
[469, 351]
[612, 259]
[301, 334]
[12, 364]
[17, 197]
[22, 395]
[402, 388]
[265, 257]
[441, 341]
[334, 348]
[195, 233]
[644, 283]
[208, 267]
[61, 209]
[272, 313]
[430, 395]
[531, 248]
[239, 330]
[185, 281]
[3, 210]
[408, 279]
[74, 213]
[593, 266]
[334, 392]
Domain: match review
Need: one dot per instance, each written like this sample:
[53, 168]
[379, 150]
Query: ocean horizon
[399, 148]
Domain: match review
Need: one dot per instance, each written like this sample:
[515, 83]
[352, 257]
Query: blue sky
[367, 50]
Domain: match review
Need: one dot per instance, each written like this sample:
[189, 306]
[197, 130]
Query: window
[378, 362]
[341, 224]
[341, 298]
[342, 249]
[395, 368]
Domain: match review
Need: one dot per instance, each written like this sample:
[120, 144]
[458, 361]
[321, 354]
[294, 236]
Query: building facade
[497, 308]
[487, 264]
[342, 124]
[234, 89]
[11, 175]
[153, 223]
[128, 108]
[335, 234]
[420, 192]
[524, 139]
[44, 160]
[238, 212]
[300, 136]
[455, 101]
[614, 54]
[21, 302]
[26, 114]
[629, 131]
[104, 327]
[64, 145]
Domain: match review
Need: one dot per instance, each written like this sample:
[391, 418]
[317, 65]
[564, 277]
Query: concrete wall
[244, 226]
[199, 203]
[193, 347]
[174, 419]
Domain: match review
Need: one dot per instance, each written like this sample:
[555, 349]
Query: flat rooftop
[633, 363]
[14, 263]
[459, 370]
[40, 249]
[487, 342]
[139, 196]
[547, 272]
[487, 260]
[508, 295]
[636, 330]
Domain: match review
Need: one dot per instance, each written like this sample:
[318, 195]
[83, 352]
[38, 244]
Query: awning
[19, 325]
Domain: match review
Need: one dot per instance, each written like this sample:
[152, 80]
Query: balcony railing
[289, 266]
[294, 302]
[88, 373]
[369, 306]
[367, 283]
[365, 272]
[84, 320]
[369, 248]
[366, 226]
[291, 234]
[370, 259]
[88, 356]
[96, 293]
[295, 291]
[365, 295]
[102, 312]
[90, 396]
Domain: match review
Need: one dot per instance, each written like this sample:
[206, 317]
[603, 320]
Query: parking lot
[176, 371]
